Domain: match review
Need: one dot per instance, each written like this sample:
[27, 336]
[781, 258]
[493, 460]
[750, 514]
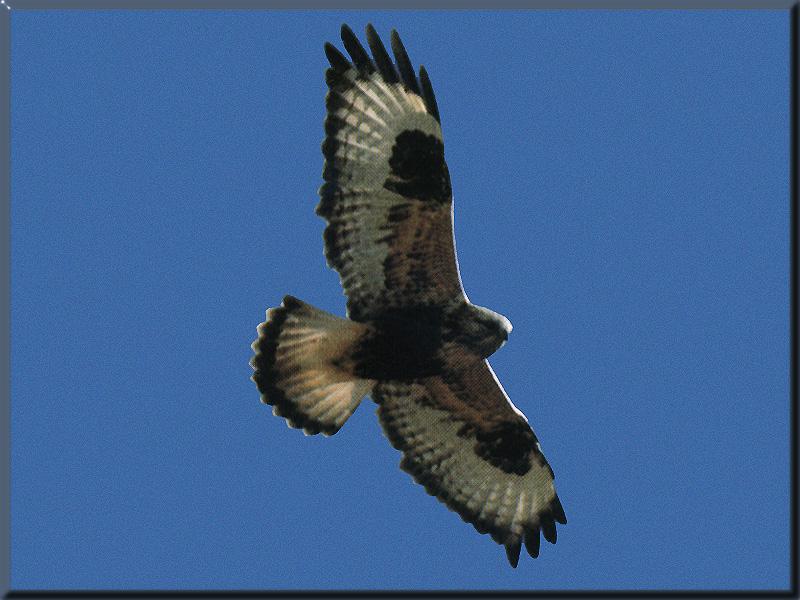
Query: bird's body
[412, 340]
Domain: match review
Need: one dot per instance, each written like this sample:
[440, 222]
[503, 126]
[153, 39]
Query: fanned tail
[301, 370]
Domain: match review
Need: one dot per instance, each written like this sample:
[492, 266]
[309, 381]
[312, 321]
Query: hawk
[411, 340]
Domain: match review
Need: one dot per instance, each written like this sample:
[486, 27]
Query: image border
[7, 10]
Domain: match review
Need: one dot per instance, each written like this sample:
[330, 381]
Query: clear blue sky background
[621, 183]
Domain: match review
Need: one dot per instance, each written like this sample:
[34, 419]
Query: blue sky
[621, 186]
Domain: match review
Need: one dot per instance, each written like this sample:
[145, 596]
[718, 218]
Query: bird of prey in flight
[412, 340]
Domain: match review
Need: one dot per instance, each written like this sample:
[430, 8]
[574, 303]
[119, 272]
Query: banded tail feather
[300, 362]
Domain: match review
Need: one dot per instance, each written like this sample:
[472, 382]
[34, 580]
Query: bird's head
[495, 323]
[484, 330]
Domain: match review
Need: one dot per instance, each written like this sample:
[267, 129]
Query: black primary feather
[558, 511]
[548, 528]
[532, 541]
[360, 57]
[512, 552]
[427, 94]
[403, 63]
[381, 56]
[338, 62]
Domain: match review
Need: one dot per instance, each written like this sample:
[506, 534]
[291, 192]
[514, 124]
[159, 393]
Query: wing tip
[400, 71]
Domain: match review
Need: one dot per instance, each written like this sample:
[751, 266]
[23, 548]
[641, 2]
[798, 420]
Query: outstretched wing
[386, 196]
[464, 440]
